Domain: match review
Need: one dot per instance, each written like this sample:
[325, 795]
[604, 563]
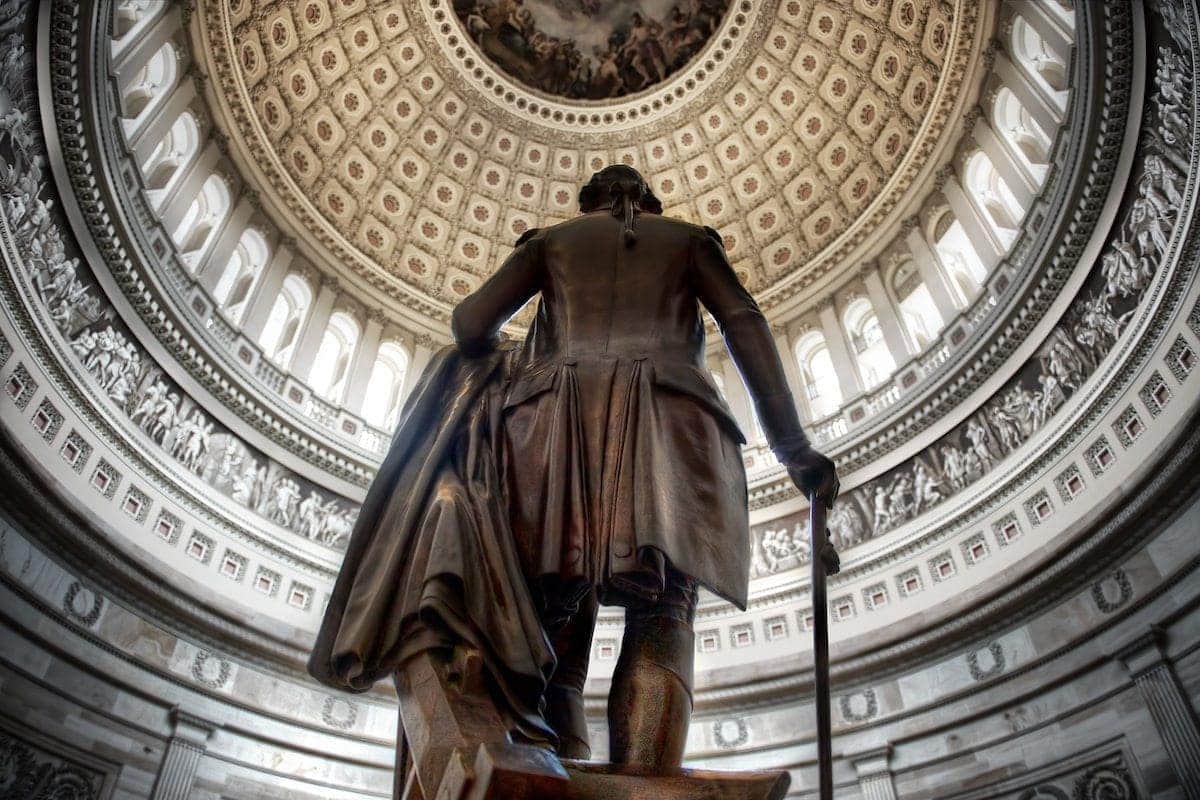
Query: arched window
[993, 197]
[816, 370]
[195, 233]
[131, 16]
[331, 366]
[244, 267]
[1024, 137]
[917, 308]
[283, 323]
[381, 406]
[166, 162]
[1037, 58]
[874, 360]
[960, 260]
[153, 82]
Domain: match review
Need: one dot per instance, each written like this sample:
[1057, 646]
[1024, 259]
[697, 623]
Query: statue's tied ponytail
[624, 192]
[623, 207]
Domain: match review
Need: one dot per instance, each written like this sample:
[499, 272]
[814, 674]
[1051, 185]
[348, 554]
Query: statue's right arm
[748, 337]
[749, 340]
[477, 319]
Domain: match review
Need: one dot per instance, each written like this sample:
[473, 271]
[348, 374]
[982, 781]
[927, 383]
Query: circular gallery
[251, 248]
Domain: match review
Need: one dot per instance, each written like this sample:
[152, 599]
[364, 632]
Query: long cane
[820, 611]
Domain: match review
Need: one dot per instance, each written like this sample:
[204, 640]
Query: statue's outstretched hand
[813, 474]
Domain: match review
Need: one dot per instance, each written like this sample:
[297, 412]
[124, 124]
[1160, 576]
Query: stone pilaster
[185, 748]
[875, 774]
[1173, 716]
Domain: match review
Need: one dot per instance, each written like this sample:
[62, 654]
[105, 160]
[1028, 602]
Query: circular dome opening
[587, 49]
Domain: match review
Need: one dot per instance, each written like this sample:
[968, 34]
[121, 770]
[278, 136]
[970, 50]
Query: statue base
[456, 747]
[519, 772]
[597, 781]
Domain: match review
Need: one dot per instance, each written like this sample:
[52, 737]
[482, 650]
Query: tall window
[1018, 129]
[1039, 60]
[960, 260]
[167, 160]
[199, 226]
[816, 370]
[875, 362]
[381, 406]
[331, 366]
[283, 323]
[130, 17]
[153, 82]
[920, 314]
[244, 267]
[992, 195]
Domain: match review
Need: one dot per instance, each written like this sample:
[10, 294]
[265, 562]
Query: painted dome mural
[587, 49]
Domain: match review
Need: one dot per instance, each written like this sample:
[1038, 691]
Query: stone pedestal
[458, 748]
[512, 772]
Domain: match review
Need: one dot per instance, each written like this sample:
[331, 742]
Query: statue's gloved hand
[813, 473]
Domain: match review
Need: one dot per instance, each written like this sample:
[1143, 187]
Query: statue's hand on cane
[816, 476]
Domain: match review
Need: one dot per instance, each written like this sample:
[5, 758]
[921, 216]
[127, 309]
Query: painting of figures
[589, 49]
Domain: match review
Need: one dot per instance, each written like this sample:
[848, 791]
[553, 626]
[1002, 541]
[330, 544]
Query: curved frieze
[1064, 361]
[857, 519]
[122, 373]
[201, 368]
[1045, 256]
[310, 447]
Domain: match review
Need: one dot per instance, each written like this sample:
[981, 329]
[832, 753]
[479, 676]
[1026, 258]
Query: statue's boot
[650, 703]
[564, 696]
[565, 713]
[459, 741]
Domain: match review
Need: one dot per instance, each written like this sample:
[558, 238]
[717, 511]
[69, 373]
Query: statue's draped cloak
[431, 561]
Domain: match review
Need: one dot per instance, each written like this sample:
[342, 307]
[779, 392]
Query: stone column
[176, 205]
[946, 297]
[363, 362]
[895, 332]
[874, 774]
[1018, 181]
[739, 399]
[313, 329]
[1173, 715]
[1042, 109]
[422, 351]
[185, 748]
[978, 228]
[143, 141]
[262, 297]
[213, 263]
[845, 362]
[791, 371]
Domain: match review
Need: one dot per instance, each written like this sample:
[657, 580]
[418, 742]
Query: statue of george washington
[595, 464]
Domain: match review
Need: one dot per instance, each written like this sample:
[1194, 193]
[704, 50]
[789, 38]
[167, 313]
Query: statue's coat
[431, 561]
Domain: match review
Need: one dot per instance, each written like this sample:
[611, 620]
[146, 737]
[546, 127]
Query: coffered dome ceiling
[410, 144]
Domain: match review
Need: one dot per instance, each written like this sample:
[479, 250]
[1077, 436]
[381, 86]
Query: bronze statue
[596, 464]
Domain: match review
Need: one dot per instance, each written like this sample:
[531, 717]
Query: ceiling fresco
[588, 49]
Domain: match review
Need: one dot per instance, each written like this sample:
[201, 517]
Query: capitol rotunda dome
[233, 233]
